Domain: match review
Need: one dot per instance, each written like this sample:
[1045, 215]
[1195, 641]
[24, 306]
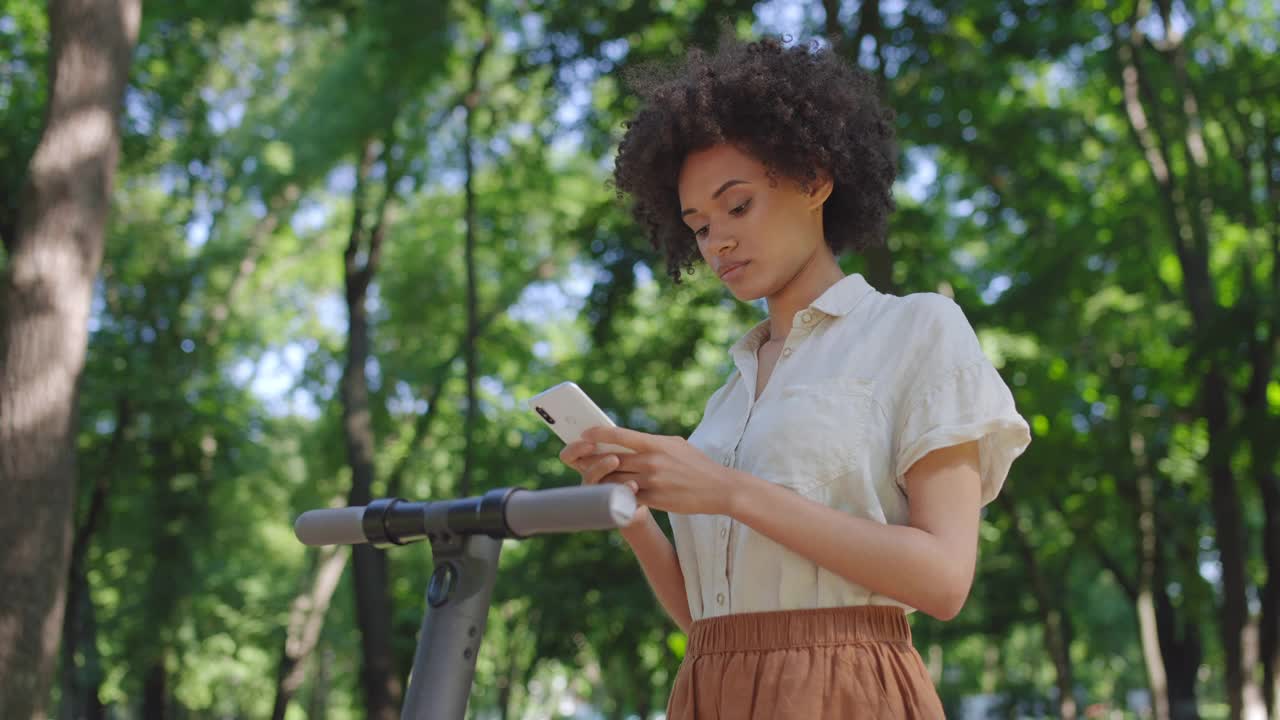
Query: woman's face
[754, 236]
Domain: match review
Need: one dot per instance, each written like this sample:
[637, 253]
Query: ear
[820, 190]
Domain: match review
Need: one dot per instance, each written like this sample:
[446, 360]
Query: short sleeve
[952, 394]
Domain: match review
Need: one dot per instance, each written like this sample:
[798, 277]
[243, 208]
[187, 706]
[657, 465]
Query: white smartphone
[568, 411]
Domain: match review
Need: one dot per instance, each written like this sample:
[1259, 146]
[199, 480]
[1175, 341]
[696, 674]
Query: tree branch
[422, 425]
[1112, 565]
[358, 277]
[1151, 140]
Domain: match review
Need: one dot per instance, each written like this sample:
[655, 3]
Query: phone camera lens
[545, 416]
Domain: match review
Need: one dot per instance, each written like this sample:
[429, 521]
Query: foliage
[210, 409]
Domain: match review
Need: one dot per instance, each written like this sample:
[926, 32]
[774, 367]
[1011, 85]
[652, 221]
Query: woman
[835, 481]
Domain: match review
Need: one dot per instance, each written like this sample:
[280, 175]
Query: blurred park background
[346, 240]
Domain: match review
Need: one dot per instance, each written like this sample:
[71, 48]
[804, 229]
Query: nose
[718, 241]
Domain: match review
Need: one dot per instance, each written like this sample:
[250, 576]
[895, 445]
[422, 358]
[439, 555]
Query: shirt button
[719, 598]
[724, 532]
[806, 316]
[786, 352]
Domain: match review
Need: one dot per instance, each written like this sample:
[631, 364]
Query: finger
[576, 450]
[646, 498]
[598, 469]
[637, 462]
[618, 478]
[622, 477]
[627, 438]
[589, 475]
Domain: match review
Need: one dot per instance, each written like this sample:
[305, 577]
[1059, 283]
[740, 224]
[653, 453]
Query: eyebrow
[717, 193]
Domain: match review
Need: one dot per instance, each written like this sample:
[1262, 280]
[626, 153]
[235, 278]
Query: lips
[729, 267]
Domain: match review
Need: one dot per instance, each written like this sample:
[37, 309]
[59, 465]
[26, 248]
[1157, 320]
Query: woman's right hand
[595, 467]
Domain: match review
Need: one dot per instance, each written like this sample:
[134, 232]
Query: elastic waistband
[798, 628]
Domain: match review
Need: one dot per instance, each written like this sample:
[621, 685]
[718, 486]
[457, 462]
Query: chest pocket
[812, 434]
[715, 448]
[716, 434]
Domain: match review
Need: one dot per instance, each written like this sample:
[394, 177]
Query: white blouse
[866, 385]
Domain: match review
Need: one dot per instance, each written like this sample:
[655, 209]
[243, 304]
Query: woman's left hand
[670, 473]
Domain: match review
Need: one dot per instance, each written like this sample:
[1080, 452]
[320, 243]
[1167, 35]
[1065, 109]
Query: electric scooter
[466, 538]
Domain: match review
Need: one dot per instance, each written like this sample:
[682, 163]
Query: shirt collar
[837, 301]
[840, 298]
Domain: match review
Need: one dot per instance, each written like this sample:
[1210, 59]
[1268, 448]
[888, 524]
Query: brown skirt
[846, 662]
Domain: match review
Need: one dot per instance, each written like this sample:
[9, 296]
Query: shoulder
[919, 321]
[933, 310]
[911, 343]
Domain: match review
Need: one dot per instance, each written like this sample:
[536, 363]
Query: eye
[738, 211]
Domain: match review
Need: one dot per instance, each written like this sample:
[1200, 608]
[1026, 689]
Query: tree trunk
[1224, 500]
[1270, 629]
[1056, 620]
[1180, 648]
[1269, 642]
[169, 555]
[155, 692]
[1148, 549]
[79, 628]
[1251, 697]
[1263, 451]
[318, 706]
[1175, 642]
[80, 682]
[469, 258]
[306, 618]
[381, 684]
[1190, 240]
[54, 256]
[1177, 631]
[469, 347]
[1268, 478]
[506, 684]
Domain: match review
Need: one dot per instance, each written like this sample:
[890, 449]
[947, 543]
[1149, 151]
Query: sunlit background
[1097, 184]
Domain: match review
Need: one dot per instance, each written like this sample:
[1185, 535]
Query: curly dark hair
[794, 109]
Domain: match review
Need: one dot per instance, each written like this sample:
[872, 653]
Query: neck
[817, 275]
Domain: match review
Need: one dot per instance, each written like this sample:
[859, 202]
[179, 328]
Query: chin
[745, 294]
[747, 289]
